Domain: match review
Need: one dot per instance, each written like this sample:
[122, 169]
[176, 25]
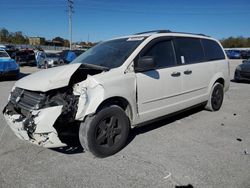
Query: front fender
[91, 94]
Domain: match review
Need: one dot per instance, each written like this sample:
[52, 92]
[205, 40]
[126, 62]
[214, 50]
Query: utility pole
[70, 12]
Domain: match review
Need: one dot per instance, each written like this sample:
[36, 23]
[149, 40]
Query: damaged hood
[48, 79]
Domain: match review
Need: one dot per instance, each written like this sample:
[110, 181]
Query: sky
[99, 20]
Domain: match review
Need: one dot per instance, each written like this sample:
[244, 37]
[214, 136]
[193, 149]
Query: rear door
[197, 72]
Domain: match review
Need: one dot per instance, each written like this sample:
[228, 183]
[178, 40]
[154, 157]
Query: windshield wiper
[98, 67]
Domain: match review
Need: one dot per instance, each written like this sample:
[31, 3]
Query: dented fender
[95, 90]
[91, 94]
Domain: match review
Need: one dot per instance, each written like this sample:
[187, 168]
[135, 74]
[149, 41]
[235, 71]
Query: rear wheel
[216, 97]
[106, 132]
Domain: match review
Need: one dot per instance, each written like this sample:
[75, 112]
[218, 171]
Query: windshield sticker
[135, 39]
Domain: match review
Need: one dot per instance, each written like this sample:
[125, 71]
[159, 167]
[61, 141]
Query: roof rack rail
[168, 31]
[192, 34]
[154, 31]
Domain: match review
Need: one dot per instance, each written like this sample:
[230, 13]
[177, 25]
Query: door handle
[187, 72]
[175, 74]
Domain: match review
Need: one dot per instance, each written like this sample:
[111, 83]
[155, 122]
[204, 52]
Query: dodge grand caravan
[118, 85]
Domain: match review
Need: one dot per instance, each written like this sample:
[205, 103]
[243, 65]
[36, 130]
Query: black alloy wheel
[106, 132]
[217, 97]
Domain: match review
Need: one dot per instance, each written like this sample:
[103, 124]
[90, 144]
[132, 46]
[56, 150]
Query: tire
[215, 98]
[106, 132]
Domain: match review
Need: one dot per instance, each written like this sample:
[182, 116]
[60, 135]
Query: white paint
[48, 79]
[45, 134]
[46, 118]
[150, 94]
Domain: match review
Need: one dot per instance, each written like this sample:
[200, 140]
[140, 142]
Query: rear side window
[212, 50]
[189, 50]
[163, 54]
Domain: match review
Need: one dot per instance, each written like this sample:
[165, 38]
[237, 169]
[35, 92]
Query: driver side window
[163, 54]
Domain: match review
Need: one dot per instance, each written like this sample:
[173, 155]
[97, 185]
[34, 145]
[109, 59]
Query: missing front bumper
[38, 128]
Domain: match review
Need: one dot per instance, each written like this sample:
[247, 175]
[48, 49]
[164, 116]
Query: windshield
[110, 54]
[3, 54]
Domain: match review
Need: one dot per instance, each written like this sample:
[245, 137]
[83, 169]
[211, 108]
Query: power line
[70, 12]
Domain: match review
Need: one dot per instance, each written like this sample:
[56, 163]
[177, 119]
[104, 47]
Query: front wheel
[106, 132]
[216, 97]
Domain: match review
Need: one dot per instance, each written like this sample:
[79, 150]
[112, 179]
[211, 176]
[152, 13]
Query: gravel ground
[194, 149]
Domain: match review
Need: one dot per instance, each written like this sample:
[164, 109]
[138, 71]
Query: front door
[159, 90]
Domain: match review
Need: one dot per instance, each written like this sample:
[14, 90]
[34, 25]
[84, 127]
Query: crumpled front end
[49, 116]
[37, 128]
[32, 116]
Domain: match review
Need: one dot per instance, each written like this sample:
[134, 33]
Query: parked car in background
[11, 50]
[50, 60]
[2, 47]
[66, 56]
[25, 57]
[233, 54]
[242, 71]
[8, 66]
[245, 54]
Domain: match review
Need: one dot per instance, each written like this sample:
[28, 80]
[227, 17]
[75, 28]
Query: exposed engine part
[81, 74]
[69, 103]
[29, 125]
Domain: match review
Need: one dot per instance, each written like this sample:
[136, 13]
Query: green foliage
[58, 39]
[12, 37]
[235, 42]
[64, 42]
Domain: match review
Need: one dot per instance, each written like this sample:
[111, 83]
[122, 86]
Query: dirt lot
[194, 149]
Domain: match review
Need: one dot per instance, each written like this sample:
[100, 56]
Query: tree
[82, 43]
[58, 39]
[18, 38]
[4, 34]
[235, 42]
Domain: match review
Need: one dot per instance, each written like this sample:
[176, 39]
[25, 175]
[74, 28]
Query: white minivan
[117, 85]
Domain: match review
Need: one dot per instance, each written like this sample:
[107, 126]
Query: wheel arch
[119, 101]
[221, 81]
[216, 78]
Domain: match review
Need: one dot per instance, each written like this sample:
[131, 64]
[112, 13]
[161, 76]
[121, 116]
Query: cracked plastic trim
[45, 134]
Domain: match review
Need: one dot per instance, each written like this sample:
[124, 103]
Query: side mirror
[145, 63]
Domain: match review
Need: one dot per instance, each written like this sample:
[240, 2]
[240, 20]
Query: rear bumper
[37, 128]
